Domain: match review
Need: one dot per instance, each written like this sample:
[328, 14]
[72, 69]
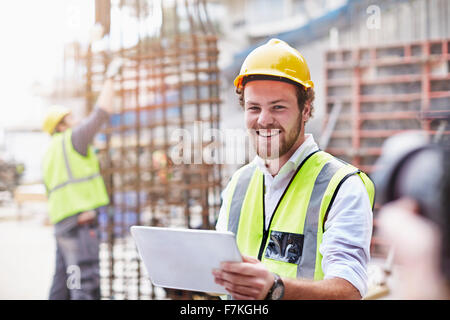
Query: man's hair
[304, 94]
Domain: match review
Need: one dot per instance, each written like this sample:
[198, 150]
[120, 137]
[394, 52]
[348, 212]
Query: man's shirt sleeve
[83, 134]
[348, 231]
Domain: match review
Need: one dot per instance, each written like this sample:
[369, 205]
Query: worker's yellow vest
[290, 246]
[73, 181]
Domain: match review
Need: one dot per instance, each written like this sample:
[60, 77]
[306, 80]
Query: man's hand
[249, 280]
[114, 68]
[417, 249]
[105, 99]
[86, 217]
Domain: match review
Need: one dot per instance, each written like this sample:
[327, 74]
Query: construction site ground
[27, 253]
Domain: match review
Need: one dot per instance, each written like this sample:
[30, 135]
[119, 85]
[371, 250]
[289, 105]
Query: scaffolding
[167, 92]
[384, 90]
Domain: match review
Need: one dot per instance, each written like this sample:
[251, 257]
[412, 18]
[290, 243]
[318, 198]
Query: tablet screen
[184, 258]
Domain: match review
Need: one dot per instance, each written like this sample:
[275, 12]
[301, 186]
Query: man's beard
[276, 146]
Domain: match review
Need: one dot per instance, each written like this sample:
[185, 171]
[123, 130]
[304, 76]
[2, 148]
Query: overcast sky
[32, 34]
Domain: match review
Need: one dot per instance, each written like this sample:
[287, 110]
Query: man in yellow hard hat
[53, 118]
[75, 191]
[302, 218]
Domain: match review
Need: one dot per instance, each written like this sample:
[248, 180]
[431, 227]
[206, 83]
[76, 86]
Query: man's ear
[306, 113]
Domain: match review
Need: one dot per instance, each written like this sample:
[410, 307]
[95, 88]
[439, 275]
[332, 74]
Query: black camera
[412, 167]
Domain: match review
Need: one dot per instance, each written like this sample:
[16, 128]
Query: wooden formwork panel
[382, 91]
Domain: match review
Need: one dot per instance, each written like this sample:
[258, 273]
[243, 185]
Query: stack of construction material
[383, 91]
[10, 174]
[151, 152]
[373, 93]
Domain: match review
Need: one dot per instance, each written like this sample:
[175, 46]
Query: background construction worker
[299, 214]
[75, 190]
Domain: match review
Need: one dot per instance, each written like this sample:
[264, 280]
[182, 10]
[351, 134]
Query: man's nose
[265, 118]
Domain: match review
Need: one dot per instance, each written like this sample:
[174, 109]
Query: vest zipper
[266, 231]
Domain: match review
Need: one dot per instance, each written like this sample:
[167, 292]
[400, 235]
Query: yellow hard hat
[54, 115]
[276, 58]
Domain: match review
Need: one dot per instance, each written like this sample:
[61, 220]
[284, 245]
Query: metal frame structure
[168, 83]
[382, 91]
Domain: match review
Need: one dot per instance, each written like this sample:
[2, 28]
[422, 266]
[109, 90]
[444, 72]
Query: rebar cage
[151, 150]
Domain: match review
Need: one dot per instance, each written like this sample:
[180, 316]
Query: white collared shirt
[348, 229]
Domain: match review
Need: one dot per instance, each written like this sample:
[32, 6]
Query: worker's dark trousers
[77, 275]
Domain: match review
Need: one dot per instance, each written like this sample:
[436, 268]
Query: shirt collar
[307, 147]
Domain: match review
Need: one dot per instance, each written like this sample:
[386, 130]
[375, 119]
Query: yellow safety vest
[290, 246]
[73, 181]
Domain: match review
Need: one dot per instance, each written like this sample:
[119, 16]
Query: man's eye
[253, 108]
[278, 107]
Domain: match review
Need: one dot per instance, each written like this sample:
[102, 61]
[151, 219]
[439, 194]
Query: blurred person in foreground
[75, 191]
[413, 187]
[302, 218]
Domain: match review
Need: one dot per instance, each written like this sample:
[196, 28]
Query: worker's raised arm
[105, 99]
[84, 133]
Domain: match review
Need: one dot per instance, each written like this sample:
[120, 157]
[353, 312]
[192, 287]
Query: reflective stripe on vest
[307, 265]
[320, 180]
[238, 197]
[69, 172]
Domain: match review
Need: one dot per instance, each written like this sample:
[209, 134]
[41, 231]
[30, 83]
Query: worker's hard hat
[53, 117]
[276, 58]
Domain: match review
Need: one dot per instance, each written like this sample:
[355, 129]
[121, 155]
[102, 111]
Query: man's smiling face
[273, 118]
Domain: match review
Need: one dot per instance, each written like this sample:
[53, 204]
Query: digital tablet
[184, 258]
